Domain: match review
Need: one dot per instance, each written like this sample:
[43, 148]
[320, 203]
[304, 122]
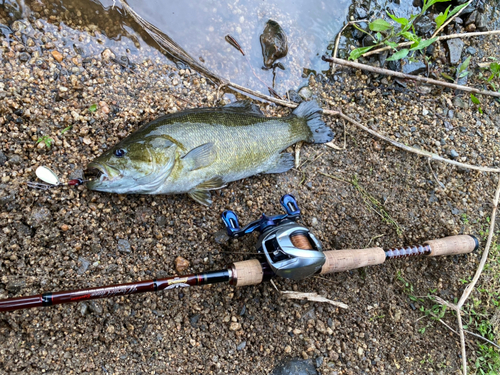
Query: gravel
[48, 234]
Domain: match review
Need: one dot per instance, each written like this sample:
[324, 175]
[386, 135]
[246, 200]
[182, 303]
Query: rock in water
[274, 43]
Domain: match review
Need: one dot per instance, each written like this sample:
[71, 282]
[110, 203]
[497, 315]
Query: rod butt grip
[343, 260]
[247, 272]
[453, 245]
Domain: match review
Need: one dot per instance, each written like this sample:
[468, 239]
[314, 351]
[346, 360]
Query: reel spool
[291, 250]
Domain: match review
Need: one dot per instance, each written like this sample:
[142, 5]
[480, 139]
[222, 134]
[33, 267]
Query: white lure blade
[47, 176]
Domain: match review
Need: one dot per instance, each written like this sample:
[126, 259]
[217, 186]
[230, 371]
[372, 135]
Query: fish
[202, 149]
[273, 42]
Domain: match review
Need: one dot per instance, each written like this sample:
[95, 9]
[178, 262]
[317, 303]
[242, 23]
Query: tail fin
[311, 113]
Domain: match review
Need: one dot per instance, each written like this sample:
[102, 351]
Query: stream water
[200, 27]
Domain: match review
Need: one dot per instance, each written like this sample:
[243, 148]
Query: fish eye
[120, 152]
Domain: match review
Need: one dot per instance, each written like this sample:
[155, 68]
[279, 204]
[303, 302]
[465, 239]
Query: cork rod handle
[343, 260]
[452, 245]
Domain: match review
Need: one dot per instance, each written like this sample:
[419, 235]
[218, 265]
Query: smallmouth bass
[202, 149]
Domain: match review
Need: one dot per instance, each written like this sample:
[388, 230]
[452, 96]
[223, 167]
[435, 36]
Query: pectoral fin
[284, 162]
[200, 157]
[201, 193]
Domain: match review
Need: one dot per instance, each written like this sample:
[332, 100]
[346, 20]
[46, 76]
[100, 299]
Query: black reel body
[291, 250]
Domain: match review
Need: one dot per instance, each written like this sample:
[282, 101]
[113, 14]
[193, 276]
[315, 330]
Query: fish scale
[202, 149]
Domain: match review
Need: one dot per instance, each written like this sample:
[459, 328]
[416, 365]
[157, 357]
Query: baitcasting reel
[291, 249]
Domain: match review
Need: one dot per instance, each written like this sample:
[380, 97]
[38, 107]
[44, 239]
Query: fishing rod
[288, 250]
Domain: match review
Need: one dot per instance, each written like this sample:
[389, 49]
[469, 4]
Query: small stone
[361, 13]
[305, 93]
[319, 361]
[425, 112]
[397, 315]
[360, 351]
[57, 55]
[234, 326]
[103, 107]
[414, 67]
[107, 55]
[14, 159]
[87, 140]
[15, 286]
[24, 56]
[123, 246]
[288, 349]
[64, 227]
[95, 307]
[471, 50]
[314, 222]
[463, 129]
[293, 96]
[193, 320]
[63, 88]
[454, 154]
[3, 158]
[459, 102]
[39, 216]
[83, 307]
[110, 329]
[241, 346]
[455, 47]
[470, 28]
[181, 264]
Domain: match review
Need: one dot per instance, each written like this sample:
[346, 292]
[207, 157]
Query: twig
[314, 297]
[470, 287]
[484, 257]
[451, 19]
[435, 175]
[337, 39]
[388, 72]
[482, 338]
[411, 149]
[444, 37]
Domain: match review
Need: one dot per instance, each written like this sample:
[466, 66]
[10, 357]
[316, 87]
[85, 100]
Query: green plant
[406, 31]
[476, 102]
[93, 108]
[67, 128]
[46, 140]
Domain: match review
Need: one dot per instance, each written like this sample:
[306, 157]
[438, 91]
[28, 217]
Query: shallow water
[200, 27]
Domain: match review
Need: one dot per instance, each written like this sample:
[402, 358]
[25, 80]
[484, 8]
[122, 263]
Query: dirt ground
[68, 238]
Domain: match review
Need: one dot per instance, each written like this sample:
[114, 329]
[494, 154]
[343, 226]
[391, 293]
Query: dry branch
[388, 72]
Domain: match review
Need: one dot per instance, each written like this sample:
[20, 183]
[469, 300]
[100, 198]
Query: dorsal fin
[244, 106]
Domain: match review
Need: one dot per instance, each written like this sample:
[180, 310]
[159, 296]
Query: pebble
[455, 47]
[453, 154]
[124, 246]
[83, 308]
[15, 286]
[3, 158]
[414, 67]
[234, 326]
[39, 216]
[314, 222]
[181, 264]
[295, 367]
[64, 227]
[57, 55]
[305, 93]
[95, 307]
[241, 346]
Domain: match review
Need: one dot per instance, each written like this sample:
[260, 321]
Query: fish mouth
[96, 172]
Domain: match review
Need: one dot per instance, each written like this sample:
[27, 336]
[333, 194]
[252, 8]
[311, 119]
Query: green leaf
[355, 54]
[402, 21]
[428, 4]
[379, 37]
[474, 99]
[442, 17]
[462, 68]
[66, 129]
[423, 44]
[391, 44]
[410, 36]
[93, 108]
[457, 9]
[399, 55]
[379, 25]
